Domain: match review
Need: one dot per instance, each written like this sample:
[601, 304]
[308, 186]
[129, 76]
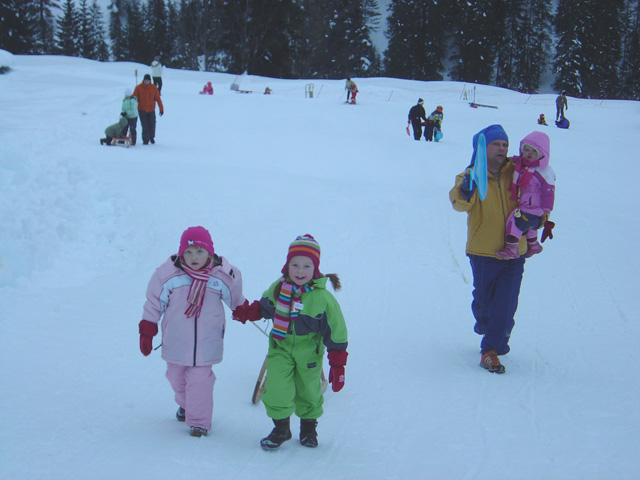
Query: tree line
[591, 47]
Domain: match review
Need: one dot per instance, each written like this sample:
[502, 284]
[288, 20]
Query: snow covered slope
[84, 226]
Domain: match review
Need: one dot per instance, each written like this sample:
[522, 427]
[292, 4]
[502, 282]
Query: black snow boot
[308, 434]
[280, 434]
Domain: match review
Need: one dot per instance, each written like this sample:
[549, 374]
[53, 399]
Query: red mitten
[337, 361]
[245, 312]
[547, 232]
[147, 331]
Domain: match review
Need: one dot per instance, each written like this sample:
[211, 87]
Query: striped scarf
[285, 312]
[198, 288]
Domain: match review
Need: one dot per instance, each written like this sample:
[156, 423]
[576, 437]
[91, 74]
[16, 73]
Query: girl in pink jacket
[186, 294]
[534, 188]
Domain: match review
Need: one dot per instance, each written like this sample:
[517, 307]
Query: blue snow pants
[496, 287]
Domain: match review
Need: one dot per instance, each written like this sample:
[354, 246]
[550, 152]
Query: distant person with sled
[347, 86]
[354, 91]
[561, 104]
[417, 117]
[148, 96]
[186, 295]
[534, 188]
[434, 122]
[156, 73]
[496, 282]
[207, 89]
[115, 131]
[542, 120]
[130, 111]
[306, 319]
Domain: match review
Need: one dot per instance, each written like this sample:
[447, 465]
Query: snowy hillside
[83, 227]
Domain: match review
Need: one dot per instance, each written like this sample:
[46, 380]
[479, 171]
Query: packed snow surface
[84, 226]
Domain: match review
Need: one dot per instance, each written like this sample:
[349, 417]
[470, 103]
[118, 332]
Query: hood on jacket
[539, 141]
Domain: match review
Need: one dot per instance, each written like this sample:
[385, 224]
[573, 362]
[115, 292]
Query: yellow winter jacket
[486, 219]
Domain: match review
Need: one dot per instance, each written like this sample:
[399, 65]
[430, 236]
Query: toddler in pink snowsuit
[534, 188]
[186, 294]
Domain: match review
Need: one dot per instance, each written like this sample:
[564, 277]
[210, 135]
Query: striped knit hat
[306, 246]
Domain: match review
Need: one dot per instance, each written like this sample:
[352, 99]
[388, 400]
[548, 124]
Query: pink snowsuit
[190, 346]
[538, 196]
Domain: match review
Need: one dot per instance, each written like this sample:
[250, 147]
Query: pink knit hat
[306, 246]
[196, 237]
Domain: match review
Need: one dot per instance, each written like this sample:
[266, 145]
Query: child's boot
[308, 434]
[533, 247]
[509, 251]
[280, 434]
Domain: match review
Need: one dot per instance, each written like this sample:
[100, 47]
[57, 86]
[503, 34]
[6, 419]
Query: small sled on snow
[122, 141]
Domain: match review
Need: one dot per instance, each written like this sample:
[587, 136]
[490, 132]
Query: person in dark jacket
[417, 116]
[561, 104]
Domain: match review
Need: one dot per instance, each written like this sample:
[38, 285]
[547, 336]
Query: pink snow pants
[512, 229]
[193, 387]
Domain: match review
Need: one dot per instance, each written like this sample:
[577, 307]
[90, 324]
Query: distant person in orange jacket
[148, 95]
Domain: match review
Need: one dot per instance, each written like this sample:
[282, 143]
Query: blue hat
[491, 134]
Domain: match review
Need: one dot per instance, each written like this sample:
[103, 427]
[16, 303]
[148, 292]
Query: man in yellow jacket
[496, 282]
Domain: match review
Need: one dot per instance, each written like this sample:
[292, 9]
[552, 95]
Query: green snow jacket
[115, 130]
[320, 316]
[130, 107]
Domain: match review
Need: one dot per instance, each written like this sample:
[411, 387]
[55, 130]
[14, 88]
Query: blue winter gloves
[466, 188]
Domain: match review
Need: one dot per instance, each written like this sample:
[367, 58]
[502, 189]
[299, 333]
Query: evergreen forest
[591, 47]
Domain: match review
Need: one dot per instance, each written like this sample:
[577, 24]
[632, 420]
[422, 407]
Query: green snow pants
[293, 385]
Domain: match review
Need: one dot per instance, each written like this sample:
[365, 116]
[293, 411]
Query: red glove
[337, 361]
[547, 232]
[245, 312]
[147, 331]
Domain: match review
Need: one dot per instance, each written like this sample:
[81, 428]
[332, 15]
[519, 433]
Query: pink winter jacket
[192, 341]
[539, 196]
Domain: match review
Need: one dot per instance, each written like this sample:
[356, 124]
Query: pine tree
[45, 27]
[253, 32]
[417, 39]
[117, 17]
[157, 26]
[630, 65]
[523, 48]
[101, 50]
[477, 28]
[17, 26]
[68, 31]
[135, 34]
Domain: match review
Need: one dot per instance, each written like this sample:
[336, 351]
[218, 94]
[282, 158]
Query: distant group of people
[139, 103]
[432, 124]
[561, 105]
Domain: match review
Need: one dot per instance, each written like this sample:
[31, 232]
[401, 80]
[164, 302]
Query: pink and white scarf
[198, 288]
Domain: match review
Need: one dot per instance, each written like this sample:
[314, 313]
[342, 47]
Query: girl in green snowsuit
[306, 319]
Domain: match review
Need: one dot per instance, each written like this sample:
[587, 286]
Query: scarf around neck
[198, 288]
[285, 311]
[523, 173]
